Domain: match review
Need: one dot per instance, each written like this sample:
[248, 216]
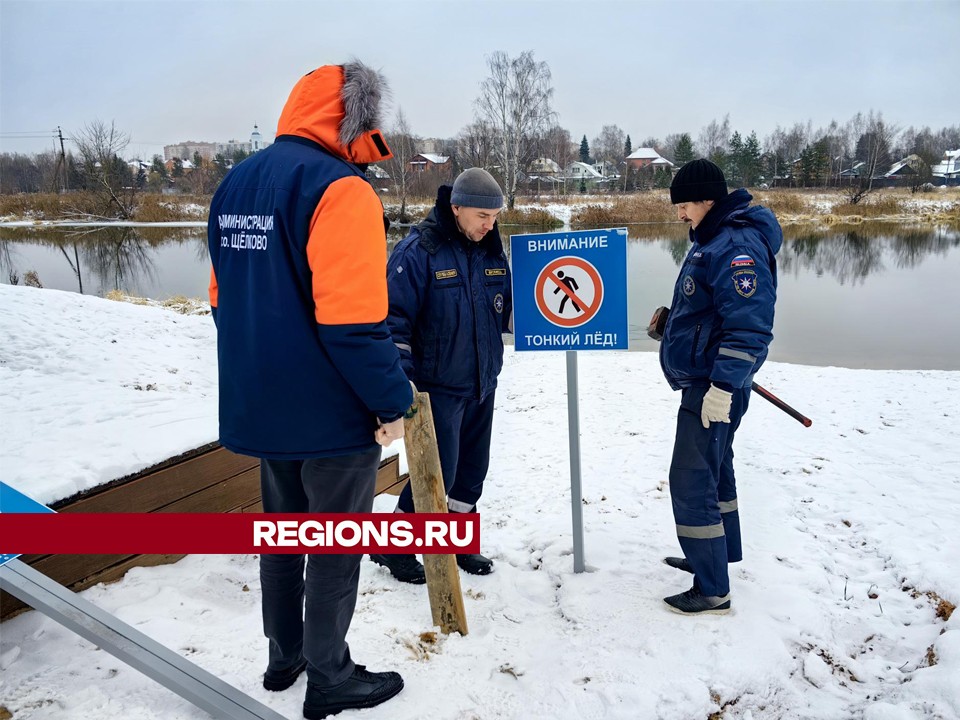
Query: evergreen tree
[684, 152]
[734, 159]
[752, 164]
[584, 150]
[627, 147]
[814, 163]
[158, 167]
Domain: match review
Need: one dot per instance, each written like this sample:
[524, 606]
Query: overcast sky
[171, 71]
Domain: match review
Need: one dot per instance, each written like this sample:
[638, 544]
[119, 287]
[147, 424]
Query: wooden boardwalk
[204, 480]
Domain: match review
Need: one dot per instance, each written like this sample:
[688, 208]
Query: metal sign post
[576, 491]
[570, 293]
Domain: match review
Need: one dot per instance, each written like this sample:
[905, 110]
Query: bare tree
[556, 144]
[403, 144]
[515, 101]
[608, 148]
[783, 148]
[475, 145]
[99, 147]
[714, 139]
[608, 145]
[873, 150]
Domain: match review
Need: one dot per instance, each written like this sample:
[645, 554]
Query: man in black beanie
[450, 303]
[714, 339]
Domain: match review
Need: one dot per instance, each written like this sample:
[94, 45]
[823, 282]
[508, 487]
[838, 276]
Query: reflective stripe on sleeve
[728, 506]
[739, 355]
[404, 346]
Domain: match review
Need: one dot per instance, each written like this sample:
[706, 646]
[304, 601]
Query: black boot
[680, 563]
[693, 602]
[363, 689]
[278, 681]
[475, 564]
[405, 568]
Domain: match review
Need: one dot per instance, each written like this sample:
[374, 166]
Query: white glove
[716, 406]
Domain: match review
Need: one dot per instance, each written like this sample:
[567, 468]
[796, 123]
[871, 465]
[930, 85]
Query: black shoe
[693, 602]
[405, 568]
[277, 680]
[679, 564]
[363, 689]
[475, 564]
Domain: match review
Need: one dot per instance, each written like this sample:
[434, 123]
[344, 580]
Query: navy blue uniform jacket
[450, 303]
[721, 318]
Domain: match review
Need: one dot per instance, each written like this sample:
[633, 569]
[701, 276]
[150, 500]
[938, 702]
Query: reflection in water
[852, 256]
[842, 289]
[117, 258]
[849, 256]
[844, 256]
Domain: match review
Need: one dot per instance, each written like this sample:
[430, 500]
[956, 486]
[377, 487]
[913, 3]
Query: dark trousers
[703, 490]
[464, 427]
[308, 616]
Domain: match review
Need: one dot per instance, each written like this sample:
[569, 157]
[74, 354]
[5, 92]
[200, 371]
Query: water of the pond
[881, 296]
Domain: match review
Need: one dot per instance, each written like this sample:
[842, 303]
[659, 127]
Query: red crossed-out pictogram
[569, 291]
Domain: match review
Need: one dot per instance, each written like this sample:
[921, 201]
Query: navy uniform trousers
[328, 591]
[703, 490]
[464, 427]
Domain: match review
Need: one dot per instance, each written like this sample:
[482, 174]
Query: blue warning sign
[570, 290]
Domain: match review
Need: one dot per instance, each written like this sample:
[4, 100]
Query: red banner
[236, 533]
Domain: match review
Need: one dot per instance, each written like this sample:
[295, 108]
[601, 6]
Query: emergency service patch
[742, 261]
[689, 286]
[444, 274]
[745, 282]
[498, 302]
[495, 271]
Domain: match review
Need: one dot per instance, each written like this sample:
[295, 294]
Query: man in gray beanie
[714, 340]
[450, 303]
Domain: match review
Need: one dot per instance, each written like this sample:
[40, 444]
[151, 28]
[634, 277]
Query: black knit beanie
[698, 180]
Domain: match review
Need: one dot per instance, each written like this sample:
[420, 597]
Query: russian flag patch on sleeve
[742, 261]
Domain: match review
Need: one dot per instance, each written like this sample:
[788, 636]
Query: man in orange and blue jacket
[310, 380]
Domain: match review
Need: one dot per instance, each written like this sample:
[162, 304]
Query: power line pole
[63, 158]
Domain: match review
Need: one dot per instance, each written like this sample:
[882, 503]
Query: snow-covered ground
[840, 607]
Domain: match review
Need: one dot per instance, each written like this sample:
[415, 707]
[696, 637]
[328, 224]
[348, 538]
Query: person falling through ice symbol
[572, 285]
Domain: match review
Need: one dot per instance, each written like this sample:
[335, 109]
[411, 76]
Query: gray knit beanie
[476, 188]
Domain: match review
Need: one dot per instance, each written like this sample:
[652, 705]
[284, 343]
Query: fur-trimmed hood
[338, 106]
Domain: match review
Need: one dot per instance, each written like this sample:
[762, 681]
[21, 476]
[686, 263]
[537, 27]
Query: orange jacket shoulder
[347, 252]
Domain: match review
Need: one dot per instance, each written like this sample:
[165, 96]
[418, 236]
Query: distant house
[948, 168]
[425, 162]
[908, 167]
[543, 173]
[187, 165]
[645, 157]
[854, 171]
[580, 172]
[608, 170]
[544, 166]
